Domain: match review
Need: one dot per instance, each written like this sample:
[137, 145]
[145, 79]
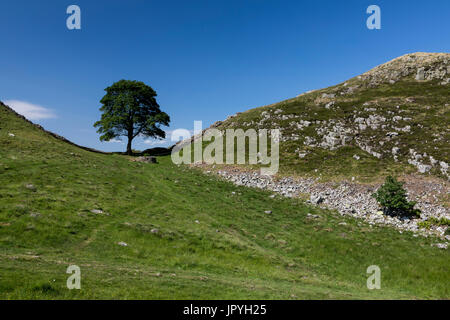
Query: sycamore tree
[129, 109]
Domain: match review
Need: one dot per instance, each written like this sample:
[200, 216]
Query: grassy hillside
[393, 119]
[188, 235]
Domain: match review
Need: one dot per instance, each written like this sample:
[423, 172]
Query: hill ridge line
[55, 135]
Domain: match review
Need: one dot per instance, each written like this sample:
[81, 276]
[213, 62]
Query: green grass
[235, 251]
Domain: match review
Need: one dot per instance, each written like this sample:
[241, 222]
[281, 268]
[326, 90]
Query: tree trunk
[129, 151]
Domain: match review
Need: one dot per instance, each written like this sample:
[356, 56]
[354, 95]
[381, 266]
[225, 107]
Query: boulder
[145, 159]
[316, 199]
[328, 95]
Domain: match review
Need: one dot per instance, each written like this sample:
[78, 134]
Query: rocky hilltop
[424, 67]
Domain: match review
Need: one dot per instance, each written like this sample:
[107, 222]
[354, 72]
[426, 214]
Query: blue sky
[206, 59]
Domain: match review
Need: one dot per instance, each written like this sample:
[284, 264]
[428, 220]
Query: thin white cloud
[114, 141]
[155, 142]
[29, 110]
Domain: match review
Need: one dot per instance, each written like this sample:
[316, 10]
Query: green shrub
[392, 197]
[424, 224]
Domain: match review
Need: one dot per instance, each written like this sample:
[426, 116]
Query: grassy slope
[430, 109]
[235, 251]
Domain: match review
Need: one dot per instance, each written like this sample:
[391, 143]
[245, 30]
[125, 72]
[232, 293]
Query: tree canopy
[129, 109]
[393, 198]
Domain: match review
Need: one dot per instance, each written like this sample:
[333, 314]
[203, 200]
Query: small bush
[392, 197]
[424, 225]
